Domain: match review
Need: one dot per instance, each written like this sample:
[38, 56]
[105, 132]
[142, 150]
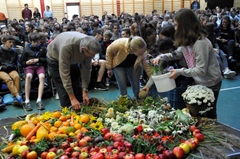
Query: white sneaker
[107, 82]
[56, 96]
[229, 74]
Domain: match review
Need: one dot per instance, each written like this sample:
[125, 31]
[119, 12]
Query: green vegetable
[41, 146]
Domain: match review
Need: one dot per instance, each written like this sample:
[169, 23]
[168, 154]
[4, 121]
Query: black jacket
[8, 60]
[31, 52]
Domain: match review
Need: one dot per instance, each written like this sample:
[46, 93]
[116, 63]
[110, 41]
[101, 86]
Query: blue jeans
[121, 74]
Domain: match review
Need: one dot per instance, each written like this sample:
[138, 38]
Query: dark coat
[31, 52]
[8, 60]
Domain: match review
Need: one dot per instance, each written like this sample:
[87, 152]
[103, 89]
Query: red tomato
[111, 156]
[105, 130]
[129, 156]
[192, 128]
[97, 156]
[199, 136]
[151, 156]
[139, 156]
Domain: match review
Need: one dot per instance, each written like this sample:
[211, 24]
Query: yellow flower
[65, 110]
[47, 115]
[92, 119]
[98, 125]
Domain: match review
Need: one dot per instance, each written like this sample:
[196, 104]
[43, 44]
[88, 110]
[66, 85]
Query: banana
[18, 124]
[28, 117]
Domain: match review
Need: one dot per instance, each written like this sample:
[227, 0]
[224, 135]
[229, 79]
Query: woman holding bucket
[198, 52]
[123, 58]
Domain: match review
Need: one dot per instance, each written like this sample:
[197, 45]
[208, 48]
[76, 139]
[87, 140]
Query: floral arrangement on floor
[125, 129]
[201, 96]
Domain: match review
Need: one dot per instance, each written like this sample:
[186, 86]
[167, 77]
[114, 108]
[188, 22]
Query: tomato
[192, 128]
[151, 156]
[105, 130]
[139, 156]
[97, 156]
[129, 156]
[111, 156]
[199, 136]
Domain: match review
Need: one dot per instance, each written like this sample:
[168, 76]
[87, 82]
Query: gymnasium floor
[228, 107]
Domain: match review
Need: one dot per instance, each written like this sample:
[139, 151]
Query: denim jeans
[228, 48]
[222, 59]
[121, 74]
[75, 78]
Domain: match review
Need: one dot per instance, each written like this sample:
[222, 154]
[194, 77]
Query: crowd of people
[204, 47]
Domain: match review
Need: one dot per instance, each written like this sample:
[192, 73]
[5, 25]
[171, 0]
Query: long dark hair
[189, 28]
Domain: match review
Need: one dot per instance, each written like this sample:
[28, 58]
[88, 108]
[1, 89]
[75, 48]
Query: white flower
[114, 125]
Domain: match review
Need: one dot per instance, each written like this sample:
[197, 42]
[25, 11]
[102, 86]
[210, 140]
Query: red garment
[27, 14]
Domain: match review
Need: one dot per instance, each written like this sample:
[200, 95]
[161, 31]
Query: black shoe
[2, 107]
[40, 105]
[100, 86]
[142, 82]
[17, 102]
[27, 106]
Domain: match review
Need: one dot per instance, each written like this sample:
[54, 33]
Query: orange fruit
[92, 125]
[58, 123]
[26, 129]
[83, 129]
[57, 114]
[63, 118]
[77, 126]
[53, 129]
[34, 120]
[84, 118]
[65, 123]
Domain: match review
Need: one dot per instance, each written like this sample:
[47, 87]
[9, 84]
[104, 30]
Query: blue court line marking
[226, 89]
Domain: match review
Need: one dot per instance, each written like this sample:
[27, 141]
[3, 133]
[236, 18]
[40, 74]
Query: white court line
[226, 89]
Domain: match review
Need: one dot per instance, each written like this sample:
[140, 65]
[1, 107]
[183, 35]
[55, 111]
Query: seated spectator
[8, 68]
[105, 43]
[225, 38]
[99, 64]
[34, 61]
[116, 34]
[221, 56]
[126, 33]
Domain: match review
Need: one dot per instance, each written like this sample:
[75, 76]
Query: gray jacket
[65, 49]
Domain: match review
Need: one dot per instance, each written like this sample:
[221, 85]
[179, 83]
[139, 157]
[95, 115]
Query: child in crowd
[8, 68]
[34, 60]
[105, 43]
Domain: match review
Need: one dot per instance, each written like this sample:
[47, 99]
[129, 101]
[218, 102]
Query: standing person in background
[123, 59]
[198, 52]
[47, 13]
[26, 13]
[195, 5]
[36, 13]
[64, 54]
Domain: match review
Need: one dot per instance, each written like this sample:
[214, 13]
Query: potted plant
[199, 99]
[160, 76]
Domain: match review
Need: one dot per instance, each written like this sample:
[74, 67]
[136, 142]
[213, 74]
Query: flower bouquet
[160, 75]
[200, 98]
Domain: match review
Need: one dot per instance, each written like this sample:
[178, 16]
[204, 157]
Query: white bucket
[164, 83]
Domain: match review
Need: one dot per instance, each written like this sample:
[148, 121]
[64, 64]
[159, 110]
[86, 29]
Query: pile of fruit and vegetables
[122, 129]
